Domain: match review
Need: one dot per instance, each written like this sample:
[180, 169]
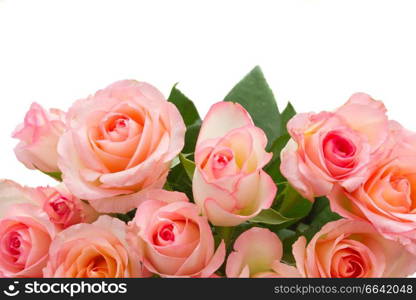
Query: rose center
[116, 127]
[14, 244]
[349, 262]
[344, 147]
[166, 233]
[400, 184]
[98, 267]
[60, 207]
[339, 145]
[396, 193]
[354, 268]
[121, 123]
[221, 159]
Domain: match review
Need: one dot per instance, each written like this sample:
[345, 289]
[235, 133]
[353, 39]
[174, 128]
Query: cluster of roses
[366, 165]
[114, 150]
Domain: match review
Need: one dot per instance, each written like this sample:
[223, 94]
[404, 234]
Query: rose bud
[257, 253]
[229, 184]
[39, 135]
[63, 208]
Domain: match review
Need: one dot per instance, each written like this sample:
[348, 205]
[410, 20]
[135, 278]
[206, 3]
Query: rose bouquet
[145, 187]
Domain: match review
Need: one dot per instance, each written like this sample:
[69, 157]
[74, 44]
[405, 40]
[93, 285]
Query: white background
[313, 53]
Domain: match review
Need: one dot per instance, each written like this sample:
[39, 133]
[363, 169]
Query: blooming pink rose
[229, 184]
[172, 239]
[119, 142]
[387, 198]
[257, 253]
[25, 236]
[348, 248]
[63, 208]
[334, 147]
[25, 233]
[97, 250]
[38, 137]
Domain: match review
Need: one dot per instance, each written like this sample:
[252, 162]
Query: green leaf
[290, 208]
[127, 217]
[273, 167]
[226, 234]
[185, 106]
[176, 161]
[191, 136]
[167, 186]
[190, 117]
[270, 216]
[288, 237]
[181, 174]
[286, 115]
[322, 210]
[178, 180]
[188, 165]
[255, 95]
[55, 175]
[292, 204]
[320, 215]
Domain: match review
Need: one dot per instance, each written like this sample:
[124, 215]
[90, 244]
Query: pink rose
[172, 239]
[257, 253]
[387, 197]
[348, 248]
[25, 236]
[119, 142]
[97, 250]
[229, 184]
[63, 208]
[25, 233]
[334, 147]
[38, 137]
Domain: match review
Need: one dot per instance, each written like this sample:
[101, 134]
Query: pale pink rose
[118, 143]
[257, 253]
[172, 239]
[229, 184]
[25, 232]
[349, 248]
[25, 236]
[39, 135]
[62, 207]
[97, 250]
[387, 198]
[334, 147]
